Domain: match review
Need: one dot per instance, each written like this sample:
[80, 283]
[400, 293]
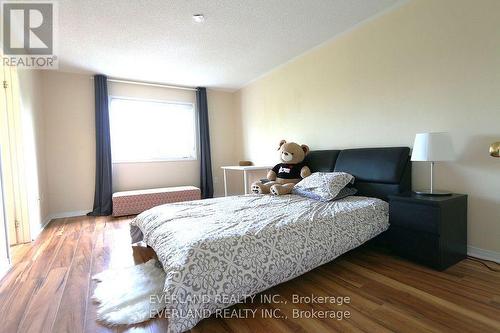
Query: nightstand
[431, 230]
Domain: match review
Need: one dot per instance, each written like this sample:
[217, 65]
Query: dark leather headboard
[379, 172]
[322, 160]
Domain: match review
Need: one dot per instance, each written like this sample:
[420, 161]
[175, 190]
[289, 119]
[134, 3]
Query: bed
[217, 252]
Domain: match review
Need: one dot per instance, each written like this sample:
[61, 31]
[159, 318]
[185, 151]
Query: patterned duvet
[216, 252]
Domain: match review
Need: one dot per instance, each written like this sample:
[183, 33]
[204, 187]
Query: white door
[13, 174]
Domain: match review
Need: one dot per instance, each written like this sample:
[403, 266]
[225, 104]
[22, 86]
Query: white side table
[245, 169]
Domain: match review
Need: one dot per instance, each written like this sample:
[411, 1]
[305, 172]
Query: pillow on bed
[325, 186]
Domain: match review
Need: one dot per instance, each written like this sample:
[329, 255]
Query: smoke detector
[198, 18]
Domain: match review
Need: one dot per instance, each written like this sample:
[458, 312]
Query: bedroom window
[148, 130]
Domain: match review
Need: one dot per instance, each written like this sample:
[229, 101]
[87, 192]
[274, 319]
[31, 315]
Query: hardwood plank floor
[49, 287]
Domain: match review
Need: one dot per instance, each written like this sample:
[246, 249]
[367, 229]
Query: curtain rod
[149, 84]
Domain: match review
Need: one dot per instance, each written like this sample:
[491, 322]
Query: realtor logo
[28, 30]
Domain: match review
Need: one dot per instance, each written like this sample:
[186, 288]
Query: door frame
[5, 259]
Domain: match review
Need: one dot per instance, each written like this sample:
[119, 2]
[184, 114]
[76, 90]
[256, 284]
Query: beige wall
[426, 66]
[70, 142]
[224, 139]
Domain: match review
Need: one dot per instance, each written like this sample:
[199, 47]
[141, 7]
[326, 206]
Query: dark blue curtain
[207, 185]
[103, 184]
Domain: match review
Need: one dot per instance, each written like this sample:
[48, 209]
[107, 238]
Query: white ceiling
[157, 41]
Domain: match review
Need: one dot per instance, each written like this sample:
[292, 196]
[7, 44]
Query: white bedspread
[217, 252]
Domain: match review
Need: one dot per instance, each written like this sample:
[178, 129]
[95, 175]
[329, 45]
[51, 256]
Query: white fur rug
[126, 295]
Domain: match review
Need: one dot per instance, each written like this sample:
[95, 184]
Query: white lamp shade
[432, 147]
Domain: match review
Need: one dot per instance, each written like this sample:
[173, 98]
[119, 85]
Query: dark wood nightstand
[430, 230]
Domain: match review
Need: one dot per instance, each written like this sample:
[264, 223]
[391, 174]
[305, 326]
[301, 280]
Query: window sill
[157, 160]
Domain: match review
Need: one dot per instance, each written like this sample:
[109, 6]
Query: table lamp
[432, 147]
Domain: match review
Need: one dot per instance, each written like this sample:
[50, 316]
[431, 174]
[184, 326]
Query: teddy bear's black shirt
[288, 171]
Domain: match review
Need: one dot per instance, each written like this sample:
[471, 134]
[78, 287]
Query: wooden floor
[49, 287]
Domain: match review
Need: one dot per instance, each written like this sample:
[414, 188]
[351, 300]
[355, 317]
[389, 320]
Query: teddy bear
[283, 177]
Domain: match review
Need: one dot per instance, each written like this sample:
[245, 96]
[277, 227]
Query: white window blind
[147, 130]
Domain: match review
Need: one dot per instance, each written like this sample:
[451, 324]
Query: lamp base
[432, 193]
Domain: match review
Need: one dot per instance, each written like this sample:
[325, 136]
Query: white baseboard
[59, 216]
[51, 217]
[68, 214]
[34, 234]
[483, 254]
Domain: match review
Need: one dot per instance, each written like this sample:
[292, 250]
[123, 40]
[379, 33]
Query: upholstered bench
[135, 202]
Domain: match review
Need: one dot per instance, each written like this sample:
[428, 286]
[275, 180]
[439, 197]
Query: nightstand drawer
[431, 230]
[419, 246]
[415, 216]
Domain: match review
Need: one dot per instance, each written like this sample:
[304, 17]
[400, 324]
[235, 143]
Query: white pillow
[323, 186]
